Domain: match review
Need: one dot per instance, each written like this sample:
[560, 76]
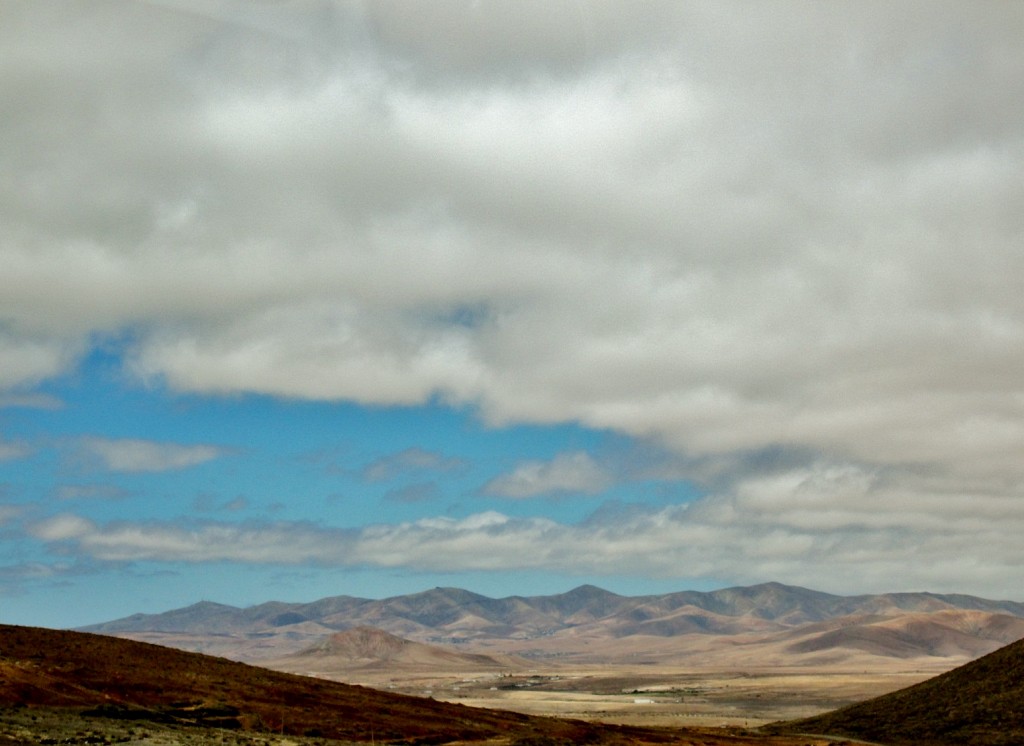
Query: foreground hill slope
[980, 703]
[117, 678]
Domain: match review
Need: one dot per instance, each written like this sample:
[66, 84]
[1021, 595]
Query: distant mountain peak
[589, 591]
[209, 606]
[456, 595]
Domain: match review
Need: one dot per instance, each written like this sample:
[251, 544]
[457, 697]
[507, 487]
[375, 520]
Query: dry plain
[648, 695]
[693, 680]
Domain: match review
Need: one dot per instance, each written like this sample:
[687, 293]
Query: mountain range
[772, 624]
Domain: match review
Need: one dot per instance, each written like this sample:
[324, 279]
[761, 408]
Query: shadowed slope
[980, 703]
[121, 678]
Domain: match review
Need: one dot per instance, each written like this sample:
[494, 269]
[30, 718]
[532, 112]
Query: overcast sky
[305, 298]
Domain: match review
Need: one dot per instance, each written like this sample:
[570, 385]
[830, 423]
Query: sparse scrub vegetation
[978, 704]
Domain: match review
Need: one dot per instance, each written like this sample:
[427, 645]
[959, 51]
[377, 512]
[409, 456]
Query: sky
[302, 298]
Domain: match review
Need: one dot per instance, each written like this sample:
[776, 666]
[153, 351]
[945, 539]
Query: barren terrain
[645, 696]
[60, 687]
[740, 693]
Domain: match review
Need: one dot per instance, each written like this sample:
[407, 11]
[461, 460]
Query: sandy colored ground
[654, 696]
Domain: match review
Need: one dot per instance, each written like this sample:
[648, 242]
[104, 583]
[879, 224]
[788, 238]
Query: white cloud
[809, 525]
[28, 359]
[63, 528]
[566, 473]
[132, 455]
[256, 543]
[727, 228]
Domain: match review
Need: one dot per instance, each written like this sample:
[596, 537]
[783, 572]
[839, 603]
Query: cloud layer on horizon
[805, 525]
[723, 228]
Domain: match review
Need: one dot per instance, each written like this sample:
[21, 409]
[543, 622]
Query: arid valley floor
[651, 695]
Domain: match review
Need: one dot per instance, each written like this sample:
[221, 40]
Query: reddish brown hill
[947, 633]
[362, 643]
[122, 678]
[978, 704]
[368, 646]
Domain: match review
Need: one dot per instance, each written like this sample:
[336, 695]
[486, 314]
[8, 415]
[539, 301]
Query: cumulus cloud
[29, 359]
[729, 229]
[800, 232]
[566, 473]
[133, 455]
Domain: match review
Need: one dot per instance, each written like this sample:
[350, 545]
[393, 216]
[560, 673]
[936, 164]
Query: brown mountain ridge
[771, 622]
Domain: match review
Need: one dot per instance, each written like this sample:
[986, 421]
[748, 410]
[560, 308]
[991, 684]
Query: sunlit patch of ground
[660, 697]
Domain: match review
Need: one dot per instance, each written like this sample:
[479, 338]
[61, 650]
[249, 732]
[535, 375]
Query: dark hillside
[113, 677]
[978, 704]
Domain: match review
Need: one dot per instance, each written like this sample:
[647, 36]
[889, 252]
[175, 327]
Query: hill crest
[369, 647]
[977, 703]
[116, 678]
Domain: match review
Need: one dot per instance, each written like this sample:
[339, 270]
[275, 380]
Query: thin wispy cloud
[413, 493]
[133, 455]
[803, 525]
[8, 513]
[207, 503]
[410, 461]
[10, 450]
[567, 473]
[90, 492]
[30, 401]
